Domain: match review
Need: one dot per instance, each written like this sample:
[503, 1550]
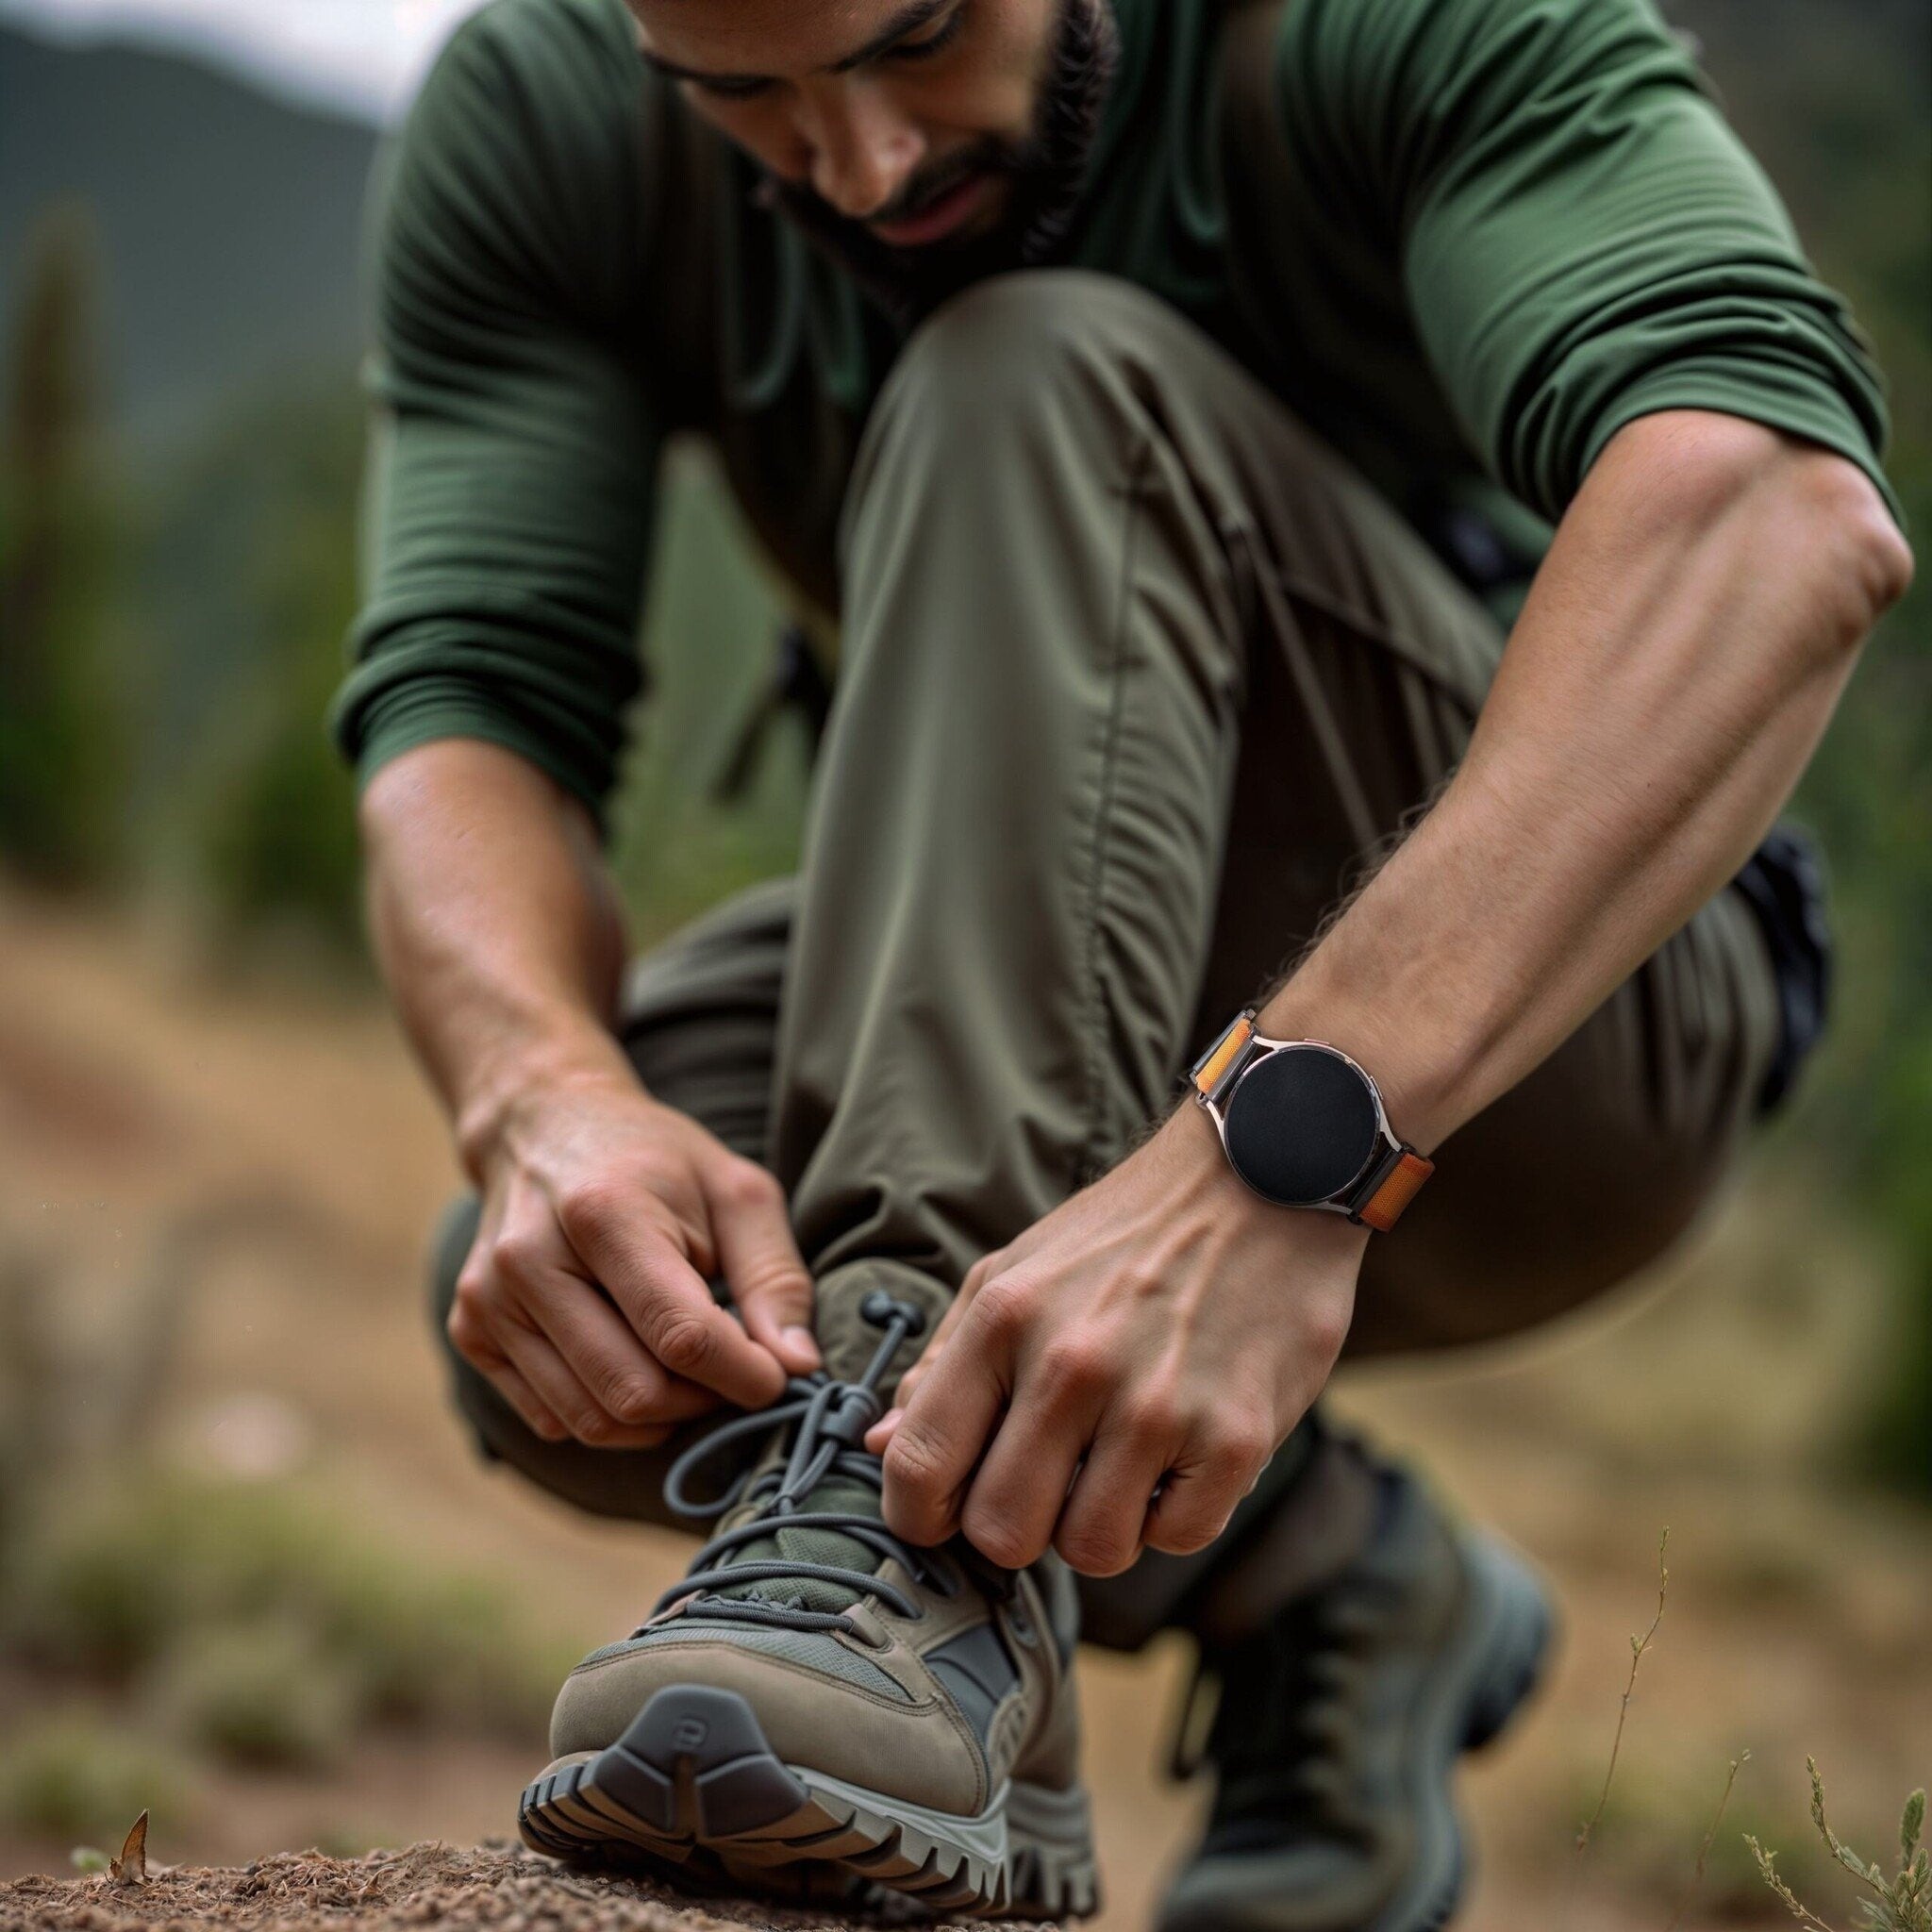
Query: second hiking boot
[818, 1707]
[1340, 1719]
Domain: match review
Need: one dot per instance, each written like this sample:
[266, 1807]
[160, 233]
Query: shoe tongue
[848, 1343]
[798, 1538]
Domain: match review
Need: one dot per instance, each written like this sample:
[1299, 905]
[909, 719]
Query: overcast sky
[360, 54]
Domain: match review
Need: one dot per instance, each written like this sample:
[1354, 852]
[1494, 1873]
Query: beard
[1044, 172]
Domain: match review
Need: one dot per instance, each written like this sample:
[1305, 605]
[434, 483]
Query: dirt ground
[501, 1888]
[275, 1150]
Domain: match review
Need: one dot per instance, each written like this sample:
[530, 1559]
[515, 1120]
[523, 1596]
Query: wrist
[561, 1060]
[1188, 1141]
[1422, 1066]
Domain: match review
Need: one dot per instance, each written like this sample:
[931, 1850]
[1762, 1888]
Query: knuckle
[591, 1425]
[588, 1206]
[631, 1397]
[1072, 1366]
[998, 1538]
[1005, 1306]
[910, 1464]
[1232, 1450]
[518, 1258]
[1093, 1552]
[1155, 1416]
[1185, 1538]
[685, 1344]
[749, 1185]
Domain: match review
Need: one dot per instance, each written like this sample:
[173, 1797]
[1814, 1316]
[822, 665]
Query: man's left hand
[1118, 1376]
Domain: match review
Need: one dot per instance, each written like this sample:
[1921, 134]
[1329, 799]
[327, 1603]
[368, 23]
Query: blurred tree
[61, 736]
[1838, 105]
[257, 546]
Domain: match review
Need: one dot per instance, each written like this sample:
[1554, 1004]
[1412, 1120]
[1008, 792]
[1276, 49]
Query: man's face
[924, 141]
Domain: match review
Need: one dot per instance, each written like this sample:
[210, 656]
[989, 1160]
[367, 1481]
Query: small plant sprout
[1717, 1817]
[1899, 1903]
[1639, 1645]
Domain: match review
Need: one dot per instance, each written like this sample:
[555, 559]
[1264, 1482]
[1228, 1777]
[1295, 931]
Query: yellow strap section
[1241, 1030]
[1405, 1182]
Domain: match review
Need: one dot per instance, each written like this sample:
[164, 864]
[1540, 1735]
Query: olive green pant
[1135, 676]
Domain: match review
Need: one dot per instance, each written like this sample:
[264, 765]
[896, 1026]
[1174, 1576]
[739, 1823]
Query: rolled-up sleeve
[514, 447]
[1582, 239]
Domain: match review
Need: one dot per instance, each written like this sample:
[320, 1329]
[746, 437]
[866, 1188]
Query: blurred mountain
[228, 220]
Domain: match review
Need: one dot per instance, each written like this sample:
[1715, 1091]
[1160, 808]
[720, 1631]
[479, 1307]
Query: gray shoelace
[830, 1418]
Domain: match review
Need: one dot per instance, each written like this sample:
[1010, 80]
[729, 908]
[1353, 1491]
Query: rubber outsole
[693, 1786]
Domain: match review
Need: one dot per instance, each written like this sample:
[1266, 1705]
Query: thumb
[770, 1287]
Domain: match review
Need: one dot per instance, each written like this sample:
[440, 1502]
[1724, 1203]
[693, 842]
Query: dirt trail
[503, 1889]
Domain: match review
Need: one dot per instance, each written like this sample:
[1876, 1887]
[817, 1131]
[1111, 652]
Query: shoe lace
[830, 1418]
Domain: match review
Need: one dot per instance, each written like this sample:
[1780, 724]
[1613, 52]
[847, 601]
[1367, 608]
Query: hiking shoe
[818, 1707]
[1339, 1723]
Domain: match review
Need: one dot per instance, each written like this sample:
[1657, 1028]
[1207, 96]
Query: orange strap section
[1239, 1032]
[1384, 1207]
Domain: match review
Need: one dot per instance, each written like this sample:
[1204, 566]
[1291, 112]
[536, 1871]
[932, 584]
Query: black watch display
[1303, 1124]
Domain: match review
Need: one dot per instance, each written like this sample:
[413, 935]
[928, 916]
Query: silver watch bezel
[1258, 1047]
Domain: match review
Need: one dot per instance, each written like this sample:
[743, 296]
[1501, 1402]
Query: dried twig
[130, 1868]
[1738, 1763]
[1639, 1645]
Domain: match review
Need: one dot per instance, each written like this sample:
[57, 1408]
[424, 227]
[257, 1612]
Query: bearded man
[1228, 435]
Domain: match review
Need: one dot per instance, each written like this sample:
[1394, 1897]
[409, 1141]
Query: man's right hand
[584, 1299]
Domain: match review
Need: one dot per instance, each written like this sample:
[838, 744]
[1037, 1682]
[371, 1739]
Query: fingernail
[803, 1340]
[886, 1424]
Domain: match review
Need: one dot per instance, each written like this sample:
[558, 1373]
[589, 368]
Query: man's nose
[863, 152]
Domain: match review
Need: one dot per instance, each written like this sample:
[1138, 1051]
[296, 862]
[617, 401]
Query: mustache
[987, 157]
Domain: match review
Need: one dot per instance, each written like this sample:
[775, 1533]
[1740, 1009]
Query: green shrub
[130, 1585]
[267, 1694]
[79, 1777]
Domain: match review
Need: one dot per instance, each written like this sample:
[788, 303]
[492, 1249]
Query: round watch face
[1302, 1126]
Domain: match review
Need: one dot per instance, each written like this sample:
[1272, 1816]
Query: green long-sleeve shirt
[1466, 240]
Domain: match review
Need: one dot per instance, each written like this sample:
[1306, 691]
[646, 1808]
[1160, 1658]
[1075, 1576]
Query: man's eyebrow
[908, 19]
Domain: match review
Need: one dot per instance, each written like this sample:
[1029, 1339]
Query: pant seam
[1133, 492]
[1367, 630]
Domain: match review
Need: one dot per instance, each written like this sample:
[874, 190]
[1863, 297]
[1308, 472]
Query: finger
[630, 1386]
[1103, 1525]
[1015, 1499]
[939, 1439]
[670, 1311]
[928, 1356]
[558, 1387]
[537, 1414]
[1198, 1495]
[770, 1287]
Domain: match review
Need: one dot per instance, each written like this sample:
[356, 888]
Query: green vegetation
[260, 1624]
[1899, 1901]
[81, 1775]
[1846, 132]
[60, 731]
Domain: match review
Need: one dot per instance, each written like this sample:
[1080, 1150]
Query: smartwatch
[1303, 1125]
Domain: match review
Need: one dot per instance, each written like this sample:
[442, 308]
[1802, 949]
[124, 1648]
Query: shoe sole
[695, 1787]
[1488, 1676]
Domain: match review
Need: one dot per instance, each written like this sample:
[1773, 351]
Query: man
[1172, 400]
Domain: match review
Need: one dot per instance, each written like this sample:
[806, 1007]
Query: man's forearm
[496, 927]
[1679, 656]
